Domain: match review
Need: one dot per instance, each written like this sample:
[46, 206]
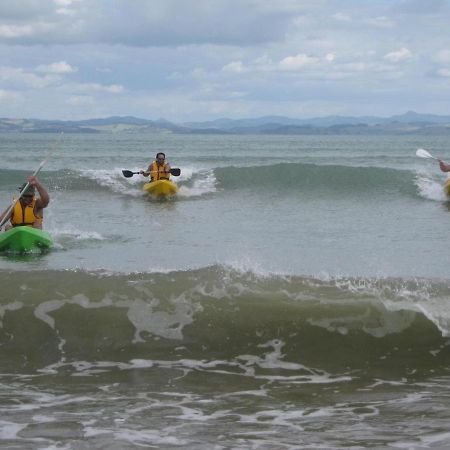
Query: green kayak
[24, 240]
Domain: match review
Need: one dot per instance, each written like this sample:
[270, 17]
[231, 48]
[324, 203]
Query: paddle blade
[175, 172]
[128, 173]
[422, 153]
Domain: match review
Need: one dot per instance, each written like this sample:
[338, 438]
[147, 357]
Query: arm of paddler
[147, 172]
[44, 198]
[444, 167]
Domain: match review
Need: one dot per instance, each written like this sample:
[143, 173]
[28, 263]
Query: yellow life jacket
[24, 216]
[159, 172]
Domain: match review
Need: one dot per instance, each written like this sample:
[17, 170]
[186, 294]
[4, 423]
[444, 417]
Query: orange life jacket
[158, 172]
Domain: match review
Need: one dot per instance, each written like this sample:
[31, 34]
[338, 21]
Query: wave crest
[216, 312]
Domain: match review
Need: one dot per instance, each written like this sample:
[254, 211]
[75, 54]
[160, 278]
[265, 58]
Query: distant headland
[408, 123]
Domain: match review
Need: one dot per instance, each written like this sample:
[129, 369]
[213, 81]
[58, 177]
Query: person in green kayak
[28, 210]
[159, 169]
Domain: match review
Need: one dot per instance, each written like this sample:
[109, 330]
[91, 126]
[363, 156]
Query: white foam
[113, 179]
[69, 231]
[42, 310]
[249, 265]
[438, 312]
[400, 301]
[254, 393]
[42, 418]
[430, 187]
[14, 306]
[244, 365]
[204, 183]
[143, 314]
[442, 438]
[186, 174]
[9, 430]
[138, 437]
[393, 304]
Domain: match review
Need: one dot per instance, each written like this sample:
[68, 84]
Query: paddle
[52, 149]
[129, 173]
[422, 153]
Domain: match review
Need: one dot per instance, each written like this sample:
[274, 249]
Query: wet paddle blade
[128, 173]
[422, 153]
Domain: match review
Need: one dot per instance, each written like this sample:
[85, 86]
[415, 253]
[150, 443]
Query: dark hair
[29, 191]
[160, 153]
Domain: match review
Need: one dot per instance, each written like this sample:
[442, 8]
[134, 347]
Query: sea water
[293, 294]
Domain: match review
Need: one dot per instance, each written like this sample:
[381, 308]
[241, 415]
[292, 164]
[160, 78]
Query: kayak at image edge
[447, 187]
[161, 188]
[24, 240]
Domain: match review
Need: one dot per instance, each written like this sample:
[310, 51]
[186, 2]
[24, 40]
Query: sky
[194, 60]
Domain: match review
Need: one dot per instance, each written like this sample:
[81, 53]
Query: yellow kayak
[161, 188]
[447, 187]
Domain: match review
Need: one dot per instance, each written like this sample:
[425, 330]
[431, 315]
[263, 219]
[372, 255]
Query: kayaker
[28, 210]
[159, 169]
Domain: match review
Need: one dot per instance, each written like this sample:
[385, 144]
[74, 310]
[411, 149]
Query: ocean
[294, 294]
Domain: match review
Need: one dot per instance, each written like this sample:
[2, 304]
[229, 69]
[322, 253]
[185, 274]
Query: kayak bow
[161, 188]
[24, 240]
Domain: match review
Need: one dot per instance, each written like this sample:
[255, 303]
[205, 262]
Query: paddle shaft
[129, 173]
[157, 171]
[8, 212]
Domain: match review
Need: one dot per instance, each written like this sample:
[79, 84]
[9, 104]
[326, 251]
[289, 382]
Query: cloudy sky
[189, 60]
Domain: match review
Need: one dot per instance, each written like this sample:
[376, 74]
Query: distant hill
[106, 125]
[408, 123]
[413, 117]
[328, 121]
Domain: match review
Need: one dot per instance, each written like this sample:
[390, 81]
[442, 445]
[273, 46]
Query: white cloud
[63, 3]
[422, 7]
[96, 87]
[234, 67]
[290, 6]
[399, 55]
[263, 61]
[66, 12]
[235, 54]
[144, 23]
[381, 22]
[10, 95]
[15, 31]
[354, 67]
[443, 56]
[342, 17]
[297, 62]
[320, 43]
[20, 77]
[80, 100]
[197, 73]
[361, 70]
[57, 67]
[445, 72]
[64, 7]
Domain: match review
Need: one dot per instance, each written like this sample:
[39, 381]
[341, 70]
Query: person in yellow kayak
[28, 210]
[159, 169]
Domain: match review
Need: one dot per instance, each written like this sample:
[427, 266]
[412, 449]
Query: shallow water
[294, 294]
